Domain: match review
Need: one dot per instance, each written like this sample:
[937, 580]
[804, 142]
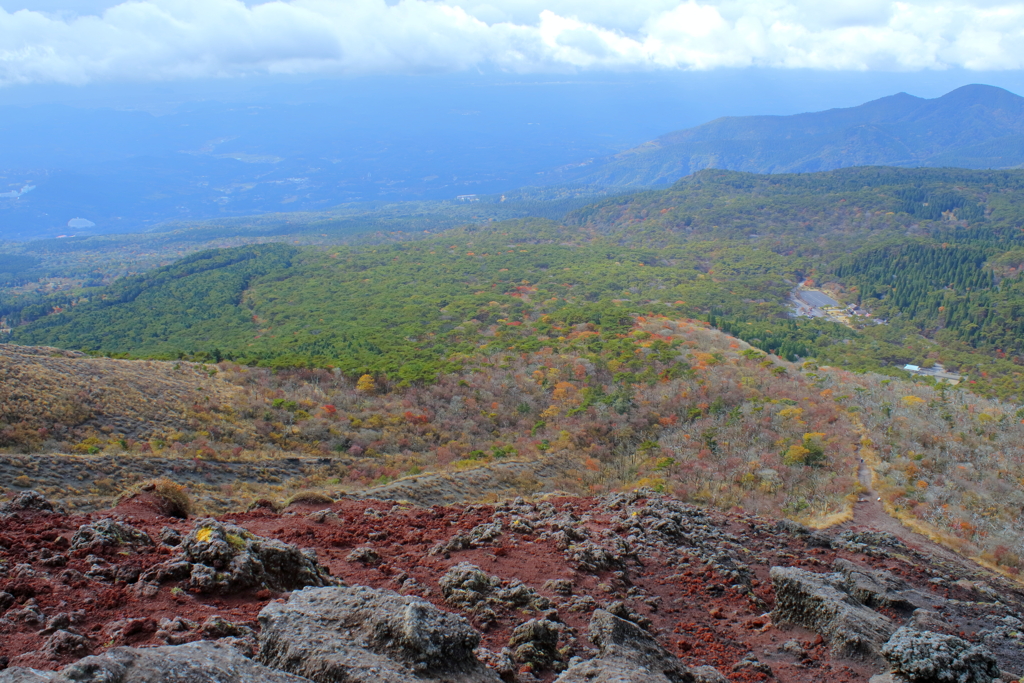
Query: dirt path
[868, 513]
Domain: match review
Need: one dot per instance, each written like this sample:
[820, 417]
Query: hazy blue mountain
[976, 126]
[124, 162]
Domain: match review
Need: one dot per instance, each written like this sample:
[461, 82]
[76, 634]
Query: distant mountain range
[976, 126]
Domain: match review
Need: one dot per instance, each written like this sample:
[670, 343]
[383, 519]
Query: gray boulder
[927, 657]
[27, 501]
[224, 558]
[626, 654]
[873, 588]
[66, 643]
[880, 588]
[819, 602]
[535, 642]
[466, 585]
[708, 674]
[18, 674]
[872, 539]
[200, 662]
[364, 635]
[108, 532]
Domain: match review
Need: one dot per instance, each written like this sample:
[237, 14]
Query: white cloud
[167, 39]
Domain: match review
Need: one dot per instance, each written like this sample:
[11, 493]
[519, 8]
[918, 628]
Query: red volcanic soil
[698, 609]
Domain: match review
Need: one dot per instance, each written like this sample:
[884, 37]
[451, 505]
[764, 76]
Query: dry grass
[64, 396]
[309, 498]
[174, 498]
[825, 521]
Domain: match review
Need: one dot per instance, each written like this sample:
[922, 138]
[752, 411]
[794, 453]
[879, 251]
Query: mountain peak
[979, 91]
[973, 126]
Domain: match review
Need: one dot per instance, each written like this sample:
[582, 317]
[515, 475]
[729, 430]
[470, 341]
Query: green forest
[935, 253]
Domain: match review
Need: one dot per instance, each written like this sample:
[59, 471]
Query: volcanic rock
[108, 532]
[25, 501]
[927, 657]
[223, 558]
[364, 635]
[626, 654]
[708, 674]
[535, 643]
[466, 585]
[202, 662]
[880, 588]
[17, 674]
[63, 643]
[820, 603]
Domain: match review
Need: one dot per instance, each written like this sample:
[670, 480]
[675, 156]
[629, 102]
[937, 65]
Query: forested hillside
[591, 341]
[935, 253]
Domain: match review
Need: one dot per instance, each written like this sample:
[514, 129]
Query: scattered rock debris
[631, 587]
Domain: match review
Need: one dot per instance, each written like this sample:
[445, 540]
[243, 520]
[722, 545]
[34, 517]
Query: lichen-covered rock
[752, 663]
[559, 586]
[622, 611]
[535, 643]
[219, 627]
[64, 643]
[224, 558]
[927, 657]
[118, 631]
[708, 674]
[466, 585]
[201, 662]
[499, 662]
[484, 533]
[170, 537]
[18, 674]
[364, 555]
[6, 600]
[627, 654]
[880, 588]
[872, 538]
[214, 543]
[591, 557]
[362, 635]
[871, 543]
[108, 532]
[820, 603]
[27, 501]
[459, 541]
[788, 526]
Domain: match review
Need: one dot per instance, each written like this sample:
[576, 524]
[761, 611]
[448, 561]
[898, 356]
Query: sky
[95, 41]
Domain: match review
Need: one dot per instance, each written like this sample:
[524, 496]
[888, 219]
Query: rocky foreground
[631, 587]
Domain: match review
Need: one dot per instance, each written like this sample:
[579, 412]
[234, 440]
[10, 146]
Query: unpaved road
[868, 513]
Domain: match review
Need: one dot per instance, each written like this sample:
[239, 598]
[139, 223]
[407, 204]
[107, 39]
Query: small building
[912, 368]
